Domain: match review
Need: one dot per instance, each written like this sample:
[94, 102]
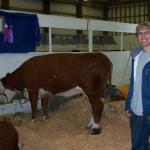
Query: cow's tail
[110, 82]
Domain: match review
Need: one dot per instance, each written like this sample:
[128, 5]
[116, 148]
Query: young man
[137, 106]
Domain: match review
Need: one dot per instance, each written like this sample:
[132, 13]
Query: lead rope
[3, 93]
[17, 96]
[20, 98]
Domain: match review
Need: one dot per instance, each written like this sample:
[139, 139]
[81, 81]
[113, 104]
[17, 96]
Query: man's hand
[128, 113]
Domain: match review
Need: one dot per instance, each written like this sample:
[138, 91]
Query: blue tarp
[25, 31]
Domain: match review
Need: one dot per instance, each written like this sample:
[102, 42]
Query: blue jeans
[140, 131]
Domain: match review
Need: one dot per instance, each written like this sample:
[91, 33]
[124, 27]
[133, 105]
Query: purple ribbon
[8, 34]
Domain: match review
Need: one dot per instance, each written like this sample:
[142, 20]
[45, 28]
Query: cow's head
[9, 82]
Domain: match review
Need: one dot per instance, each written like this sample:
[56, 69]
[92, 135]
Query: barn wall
[129, 42]
[56, 8]
[122, 15]
[60, 9]
[29, 5]
[134, 12]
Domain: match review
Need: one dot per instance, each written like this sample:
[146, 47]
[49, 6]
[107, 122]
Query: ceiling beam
[99, 3]
[5, 4]
[46, 7]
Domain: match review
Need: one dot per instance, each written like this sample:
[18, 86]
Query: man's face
[144, 38]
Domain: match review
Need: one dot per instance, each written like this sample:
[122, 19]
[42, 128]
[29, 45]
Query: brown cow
[59, 72]
[8, 136]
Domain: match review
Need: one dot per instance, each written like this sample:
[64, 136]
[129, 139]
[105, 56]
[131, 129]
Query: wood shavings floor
[65, 129]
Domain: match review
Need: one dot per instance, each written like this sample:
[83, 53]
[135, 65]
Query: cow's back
[56, 69]
[64, 62]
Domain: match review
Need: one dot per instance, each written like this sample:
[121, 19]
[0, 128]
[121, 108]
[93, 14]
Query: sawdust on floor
[66, 128]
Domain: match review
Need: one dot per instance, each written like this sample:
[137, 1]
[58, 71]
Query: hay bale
[123, 88]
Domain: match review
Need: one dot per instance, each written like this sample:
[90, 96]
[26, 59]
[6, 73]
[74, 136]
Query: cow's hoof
[20, 145]
[95, 131]
[34, 120]
[45, 117]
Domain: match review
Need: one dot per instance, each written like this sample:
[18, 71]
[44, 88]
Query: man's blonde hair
[142, 25]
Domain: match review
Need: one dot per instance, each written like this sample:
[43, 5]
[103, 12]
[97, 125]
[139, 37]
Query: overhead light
[81, 0]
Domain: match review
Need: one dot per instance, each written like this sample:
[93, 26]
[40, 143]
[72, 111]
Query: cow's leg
[33, 96]
[44, 104]
[97, 108]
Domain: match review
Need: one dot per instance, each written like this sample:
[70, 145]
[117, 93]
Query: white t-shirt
[136, 102]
